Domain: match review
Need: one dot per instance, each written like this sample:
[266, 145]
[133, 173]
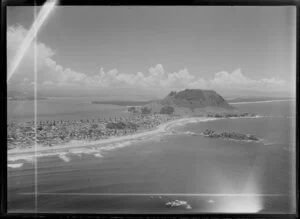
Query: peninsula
[186, 103]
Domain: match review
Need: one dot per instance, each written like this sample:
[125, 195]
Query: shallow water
[211, 175]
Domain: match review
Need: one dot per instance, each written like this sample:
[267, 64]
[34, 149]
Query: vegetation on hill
[132, 109]
[145, 110]
[190, 101]
[195, 98]
[167, 110]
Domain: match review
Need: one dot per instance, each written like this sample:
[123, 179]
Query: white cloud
[48, 69]
[51, 74]
[237, 81]
[156, 78]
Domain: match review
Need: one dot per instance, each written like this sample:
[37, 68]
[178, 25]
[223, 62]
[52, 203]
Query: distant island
[176, 105]
[122, 103]
[25, 98]
[21, 96]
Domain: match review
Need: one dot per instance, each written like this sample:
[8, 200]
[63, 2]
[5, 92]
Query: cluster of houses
[57, 132]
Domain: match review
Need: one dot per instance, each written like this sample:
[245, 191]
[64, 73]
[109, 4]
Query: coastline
[76, 144]
[261, 101]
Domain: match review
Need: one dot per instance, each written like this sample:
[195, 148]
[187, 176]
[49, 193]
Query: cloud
[47, 68]
[237, 81]
[52, 74]
[156, 78]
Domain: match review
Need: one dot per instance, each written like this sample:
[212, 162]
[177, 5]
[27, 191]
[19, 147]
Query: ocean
[62, 109]
[175, 173]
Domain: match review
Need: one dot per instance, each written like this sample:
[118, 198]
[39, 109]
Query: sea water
[177, 173]
[62, 109]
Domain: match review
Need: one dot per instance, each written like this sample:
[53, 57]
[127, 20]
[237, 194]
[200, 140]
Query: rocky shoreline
[229, 135]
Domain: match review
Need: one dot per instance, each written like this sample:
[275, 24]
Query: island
[229, 135]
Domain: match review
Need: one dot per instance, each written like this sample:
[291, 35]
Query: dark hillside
[191, 100]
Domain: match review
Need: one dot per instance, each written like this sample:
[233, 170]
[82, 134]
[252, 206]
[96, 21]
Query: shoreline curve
[76, 144]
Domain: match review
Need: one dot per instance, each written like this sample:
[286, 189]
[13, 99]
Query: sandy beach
[81, 146]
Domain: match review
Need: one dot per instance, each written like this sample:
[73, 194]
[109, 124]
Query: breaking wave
[26, 157]
[64, 157]
[15, 165]
[96, 150]
[98, 155]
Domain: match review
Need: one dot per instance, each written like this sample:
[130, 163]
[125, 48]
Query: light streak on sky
[31, 34]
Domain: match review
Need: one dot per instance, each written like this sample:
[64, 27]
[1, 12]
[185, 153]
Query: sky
[146, 52]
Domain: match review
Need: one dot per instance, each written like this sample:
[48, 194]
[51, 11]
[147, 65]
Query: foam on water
[98, 155]
[26, 157]
[15, 165]
[183, 122]
[62, 154]
[64, 157]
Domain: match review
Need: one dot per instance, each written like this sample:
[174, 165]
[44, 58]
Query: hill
[195, 101]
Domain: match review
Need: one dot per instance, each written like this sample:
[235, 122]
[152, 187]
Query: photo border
[3, 104]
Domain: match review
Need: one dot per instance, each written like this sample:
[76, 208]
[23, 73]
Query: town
[58, 132]
[49, 133]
